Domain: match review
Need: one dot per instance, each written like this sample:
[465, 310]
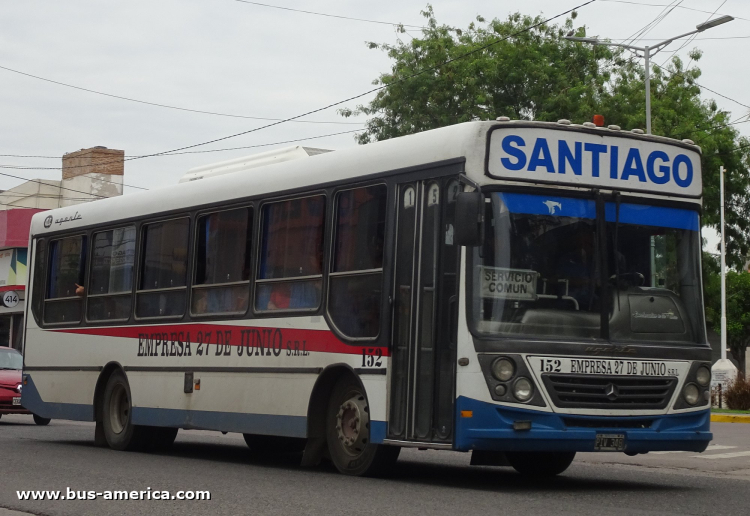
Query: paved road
[62, 455]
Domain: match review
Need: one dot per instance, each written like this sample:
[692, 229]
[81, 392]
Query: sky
[249, 60]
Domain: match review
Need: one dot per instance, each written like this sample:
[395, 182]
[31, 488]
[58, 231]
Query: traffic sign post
[10, 299]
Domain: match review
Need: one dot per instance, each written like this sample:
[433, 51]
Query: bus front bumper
[490, 427]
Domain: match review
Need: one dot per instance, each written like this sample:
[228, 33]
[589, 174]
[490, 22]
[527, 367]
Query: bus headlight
[691, 393]
[523, 389]
[703, 376]
[503, 369]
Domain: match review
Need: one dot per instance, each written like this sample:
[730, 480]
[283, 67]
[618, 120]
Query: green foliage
[514, 68]
[738, 304]
[738, 393]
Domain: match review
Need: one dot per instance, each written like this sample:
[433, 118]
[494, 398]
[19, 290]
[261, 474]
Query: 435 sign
[10, 298]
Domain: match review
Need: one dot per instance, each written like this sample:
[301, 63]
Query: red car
[11, 363]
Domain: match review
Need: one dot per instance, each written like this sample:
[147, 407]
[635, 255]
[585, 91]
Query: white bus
[520, 290]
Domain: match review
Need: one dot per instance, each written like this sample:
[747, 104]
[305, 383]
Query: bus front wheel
[540, 464]
[348, 433]
[119, 430]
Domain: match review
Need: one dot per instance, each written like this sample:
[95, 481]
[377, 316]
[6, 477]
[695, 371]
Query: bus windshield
[548, 269]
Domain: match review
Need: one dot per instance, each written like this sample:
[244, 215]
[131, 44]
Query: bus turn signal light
[467, 413]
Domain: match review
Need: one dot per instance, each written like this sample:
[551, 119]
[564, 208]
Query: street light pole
[647, 62]
[650, 51]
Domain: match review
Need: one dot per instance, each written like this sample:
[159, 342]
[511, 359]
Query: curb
[730, 418]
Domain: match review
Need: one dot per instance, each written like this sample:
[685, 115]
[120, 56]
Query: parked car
[11, 363]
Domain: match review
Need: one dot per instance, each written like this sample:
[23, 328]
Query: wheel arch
[317, 407]
[101, 384]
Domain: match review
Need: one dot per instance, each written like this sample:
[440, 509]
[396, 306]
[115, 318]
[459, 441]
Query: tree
[525, 69]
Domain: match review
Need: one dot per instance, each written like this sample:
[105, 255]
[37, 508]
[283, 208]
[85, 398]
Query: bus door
[424, 313]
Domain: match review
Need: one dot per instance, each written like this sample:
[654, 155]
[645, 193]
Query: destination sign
[608, 367]
[515, 284]
[592, 160]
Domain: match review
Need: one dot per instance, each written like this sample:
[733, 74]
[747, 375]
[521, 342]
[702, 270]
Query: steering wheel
[635, 279]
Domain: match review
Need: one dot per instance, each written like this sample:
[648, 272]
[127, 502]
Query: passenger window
[222, 268]
[356, 278]
[290, 273]
[162, 286]
[65, 280]
[111, 277]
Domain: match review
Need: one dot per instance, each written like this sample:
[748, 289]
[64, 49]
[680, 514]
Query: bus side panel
[249, 396]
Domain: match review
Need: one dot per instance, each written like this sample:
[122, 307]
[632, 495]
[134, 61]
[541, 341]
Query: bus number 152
[551, 366]
[371, 357]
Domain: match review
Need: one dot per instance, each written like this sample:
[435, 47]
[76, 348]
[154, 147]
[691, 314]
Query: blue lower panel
[267, 424]
[32, 401]
[491, 428]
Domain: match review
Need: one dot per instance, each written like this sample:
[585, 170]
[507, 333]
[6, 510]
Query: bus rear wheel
[348, 433]
[540, 464]
[119, 430]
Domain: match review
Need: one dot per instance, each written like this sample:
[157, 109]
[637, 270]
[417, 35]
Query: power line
[691, 39]
[687, 37]
[373, 90]
[41, 182]
[156, 104]
[665, 5]
[331, 15]
[195, 152]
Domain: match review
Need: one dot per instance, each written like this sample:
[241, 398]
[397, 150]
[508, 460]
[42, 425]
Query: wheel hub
[353, 424]
[119, 409]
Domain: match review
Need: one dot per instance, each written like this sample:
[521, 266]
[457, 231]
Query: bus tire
[348, 433]
[540, 464]
[119, 431]
[41, 421]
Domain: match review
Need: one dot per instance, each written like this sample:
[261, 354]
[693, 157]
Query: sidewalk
[730, 418]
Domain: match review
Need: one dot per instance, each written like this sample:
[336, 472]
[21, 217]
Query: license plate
[16, 401]
[610, 442]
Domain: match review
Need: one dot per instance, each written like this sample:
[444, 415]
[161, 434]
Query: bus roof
[470, 141]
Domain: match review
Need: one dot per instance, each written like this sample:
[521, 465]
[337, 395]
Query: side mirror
[469, 219]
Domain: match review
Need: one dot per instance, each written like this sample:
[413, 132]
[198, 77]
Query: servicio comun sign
[605, 161]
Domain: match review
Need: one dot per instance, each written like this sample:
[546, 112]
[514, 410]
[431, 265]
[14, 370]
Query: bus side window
[222, 265]
[64, 295]
[162, 289]
[290, 272]
[356, 277]
[111, 276]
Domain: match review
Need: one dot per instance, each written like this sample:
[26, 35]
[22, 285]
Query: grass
[728, 411]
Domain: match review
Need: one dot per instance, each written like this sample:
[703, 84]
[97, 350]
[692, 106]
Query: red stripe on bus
[250, 337]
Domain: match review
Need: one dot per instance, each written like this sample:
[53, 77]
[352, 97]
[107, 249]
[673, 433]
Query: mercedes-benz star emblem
[610, 391]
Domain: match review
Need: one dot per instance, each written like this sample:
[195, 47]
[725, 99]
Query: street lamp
[650, 51]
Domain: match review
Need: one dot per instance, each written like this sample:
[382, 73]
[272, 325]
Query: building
[87, 175]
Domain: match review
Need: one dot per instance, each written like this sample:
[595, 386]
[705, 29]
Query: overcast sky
[237, 58]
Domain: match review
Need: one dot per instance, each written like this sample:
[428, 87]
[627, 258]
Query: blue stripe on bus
[586, 209]
[32, 401]
[267, 424]
[557, 206]
[653, 216]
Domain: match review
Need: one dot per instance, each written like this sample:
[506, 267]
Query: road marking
[725, 455]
